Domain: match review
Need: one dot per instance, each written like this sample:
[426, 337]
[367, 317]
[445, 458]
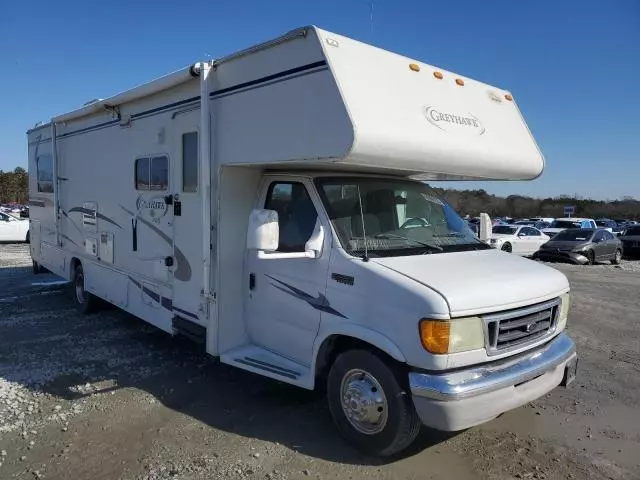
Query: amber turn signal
[460, 82]
[414, 66]
[508, 97]
[438, 75]
[434, 335]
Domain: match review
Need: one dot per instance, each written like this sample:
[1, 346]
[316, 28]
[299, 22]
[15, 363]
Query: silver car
[582, 246]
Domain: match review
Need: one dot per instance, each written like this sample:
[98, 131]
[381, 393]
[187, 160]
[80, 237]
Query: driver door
[285, 297]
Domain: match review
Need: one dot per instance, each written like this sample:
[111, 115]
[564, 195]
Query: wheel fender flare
[361, 333]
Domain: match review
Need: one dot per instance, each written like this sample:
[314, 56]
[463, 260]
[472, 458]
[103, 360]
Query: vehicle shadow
[112, 348]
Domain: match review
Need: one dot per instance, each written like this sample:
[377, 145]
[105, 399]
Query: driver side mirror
[263, 233]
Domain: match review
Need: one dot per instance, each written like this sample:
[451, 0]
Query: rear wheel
[369, 403]
[617, 258]
[591, 257]
[85, 301]
[507, 247]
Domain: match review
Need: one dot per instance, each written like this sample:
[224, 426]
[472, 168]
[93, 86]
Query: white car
[13, 229]
[560, 224]
[519, 239]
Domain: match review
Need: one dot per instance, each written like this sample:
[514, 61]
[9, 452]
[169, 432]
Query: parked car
[560, 224]
[13, 229]
[607, 224]
[582, 246]
[519, 239]
[540, 225]
[541, 219]
[630, 239]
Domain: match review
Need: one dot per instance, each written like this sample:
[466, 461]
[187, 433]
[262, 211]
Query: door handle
[252, 281]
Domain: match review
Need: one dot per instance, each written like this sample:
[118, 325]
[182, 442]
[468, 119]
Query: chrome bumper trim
[485, 378]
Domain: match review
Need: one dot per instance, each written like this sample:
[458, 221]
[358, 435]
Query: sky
[573, 66]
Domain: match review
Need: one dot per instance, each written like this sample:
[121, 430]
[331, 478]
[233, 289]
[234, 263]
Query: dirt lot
[108, 397]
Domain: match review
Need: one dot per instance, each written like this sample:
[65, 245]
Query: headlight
[565, 304]
[451, 336]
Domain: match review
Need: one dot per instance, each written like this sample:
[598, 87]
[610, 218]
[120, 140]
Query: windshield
[526, 222]
[504, 229]
[388, 217]
[632, 231]
[581, 235]
[565, 224]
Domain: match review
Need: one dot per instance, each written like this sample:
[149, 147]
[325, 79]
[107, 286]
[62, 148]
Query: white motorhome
[271, 205]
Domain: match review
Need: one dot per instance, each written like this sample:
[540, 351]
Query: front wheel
[617, 258]
[370, 405]
[507, 248]
[85, 301]
[591, 257]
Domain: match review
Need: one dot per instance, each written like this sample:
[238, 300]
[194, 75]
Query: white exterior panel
[412, 121]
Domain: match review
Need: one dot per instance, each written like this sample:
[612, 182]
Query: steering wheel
[415, 222]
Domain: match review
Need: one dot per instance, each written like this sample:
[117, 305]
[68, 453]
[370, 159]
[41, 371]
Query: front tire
[370, 405]
[617, 258]
[507, 248]
[591, 257]
[85, 301]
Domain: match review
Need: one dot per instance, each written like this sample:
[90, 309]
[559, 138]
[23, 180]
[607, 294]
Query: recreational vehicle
[274, 206]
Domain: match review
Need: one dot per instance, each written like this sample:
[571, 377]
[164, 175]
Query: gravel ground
[107, 396]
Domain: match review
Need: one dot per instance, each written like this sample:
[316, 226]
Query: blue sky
[574, 66]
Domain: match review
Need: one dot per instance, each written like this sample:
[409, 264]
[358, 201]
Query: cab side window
[599, 237]
[296, 214]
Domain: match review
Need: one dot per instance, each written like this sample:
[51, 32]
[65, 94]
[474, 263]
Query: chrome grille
[515, 328]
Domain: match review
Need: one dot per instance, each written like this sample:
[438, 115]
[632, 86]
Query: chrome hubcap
[618, 256]
[80, 288]
[364, 402]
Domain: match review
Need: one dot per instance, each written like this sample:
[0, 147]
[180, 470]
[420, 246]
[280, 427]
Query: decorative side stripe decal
[166, 303]
[183, 270]
[91, 212]
[319, 303]
[280, 76]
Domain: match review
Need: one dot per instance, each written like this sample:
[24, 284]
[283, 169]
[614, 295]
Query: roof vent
[92, 101]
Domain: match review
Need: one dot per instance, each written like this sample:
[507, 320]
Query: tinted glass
[504, 230]
[632, 231]
[159, 173]
[190, 162]
[598, 237]
[565, 224]
[142, 174]
[575, 235]
[296, 214]
[608, 235]
[44, 167]
[532, 232]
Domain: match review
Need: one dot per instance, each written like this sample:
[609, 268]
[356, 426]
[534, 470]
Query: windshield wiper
[400, 237]
[452, 234]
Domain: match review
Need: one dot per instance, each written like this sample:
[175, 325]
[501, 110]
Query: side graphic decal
[91, 212]
[166, 303]
[183, 270]
[319, 303]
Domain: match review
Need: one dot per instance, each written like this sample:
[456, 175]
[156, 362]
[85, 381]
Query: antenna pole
[371, 18]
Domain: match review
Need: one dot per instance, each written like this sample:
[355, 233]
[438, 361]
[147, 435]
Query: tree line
[473, 202]
[14, 186]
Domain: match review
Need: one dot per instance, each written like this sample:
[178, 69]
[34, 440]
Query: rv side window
[152, 173]
[190, 162]
[44, 168]
[296, 214]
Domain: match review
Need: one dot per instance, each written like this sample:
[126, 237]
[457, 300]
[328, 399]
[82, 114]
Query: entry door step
[260, 360]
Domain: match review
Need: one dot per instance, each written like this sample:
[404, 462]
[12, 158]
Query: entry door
[286, 296]
[187, 217]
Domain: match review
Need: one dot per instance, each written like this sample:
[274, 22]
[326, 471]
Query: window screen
[190, 162]
[152, 173]
[44, 167]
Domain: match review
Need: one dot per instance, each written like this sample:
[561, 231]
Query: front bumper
[560, 256]
[461, 399]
